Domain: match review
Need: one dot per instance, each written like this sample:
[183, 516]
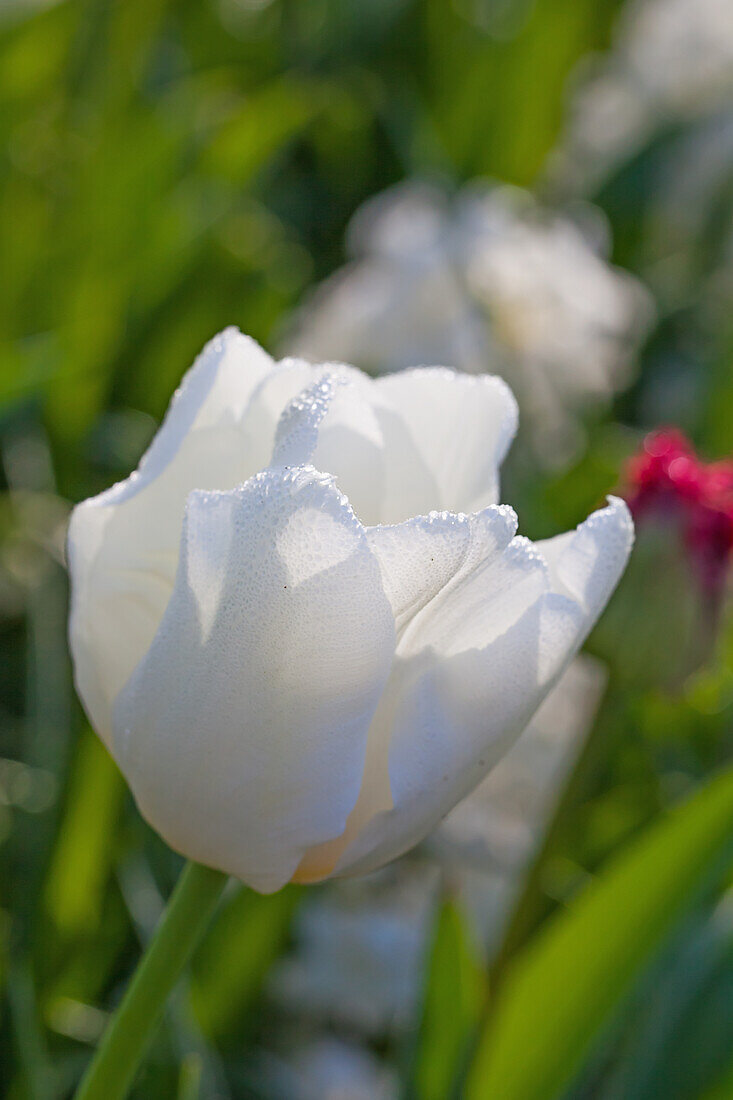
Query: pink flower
[668, 481]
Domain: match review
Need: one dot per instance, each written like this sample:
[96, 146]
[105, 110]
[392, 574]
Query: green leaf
[84, 853]
[257, 129]
[676, 1035]
[500, 68]
[562, 990]
[233, 960]
[33, 1059]
[454, 998]
[723, 1089]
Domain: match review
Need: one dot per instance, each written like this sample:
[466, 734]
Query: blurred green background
[170, 167]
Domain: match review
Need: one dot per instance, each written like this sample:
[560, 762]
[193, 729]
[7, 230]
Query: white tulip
[297, 663]
[486, 279]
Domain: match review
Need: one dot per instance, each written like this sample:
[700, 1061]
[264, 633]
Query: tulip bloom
[667, 482]
[304, 626]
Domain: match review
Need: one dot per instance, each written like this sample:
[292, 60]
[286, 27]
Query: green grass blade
[233, 961]
[455, 994]
[562, 990]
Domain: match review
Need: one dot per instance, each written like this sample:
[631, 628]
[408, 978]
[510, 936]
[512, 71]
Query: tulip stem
[124, 1043]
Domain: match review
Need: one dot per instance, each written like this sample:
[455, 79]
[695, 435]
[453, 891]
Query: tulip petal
[342, 423]
[123, 545]
[296, 434]
[460, 426]
[504, 576]
[419, 557]
[333, 425]
[243, 730]
[454, 719]
[586, 564]
[453, 705]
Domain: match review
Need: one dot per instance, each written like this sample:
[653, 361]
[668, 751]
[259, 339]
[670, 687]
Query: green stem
[124, 1043]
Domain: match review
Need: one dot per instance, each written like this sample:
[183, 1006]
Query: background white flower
[361, 945]
[359, 951]
[488, 281]
[326, 1068]
[488, 841]
[298, 682]
[671, 61]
